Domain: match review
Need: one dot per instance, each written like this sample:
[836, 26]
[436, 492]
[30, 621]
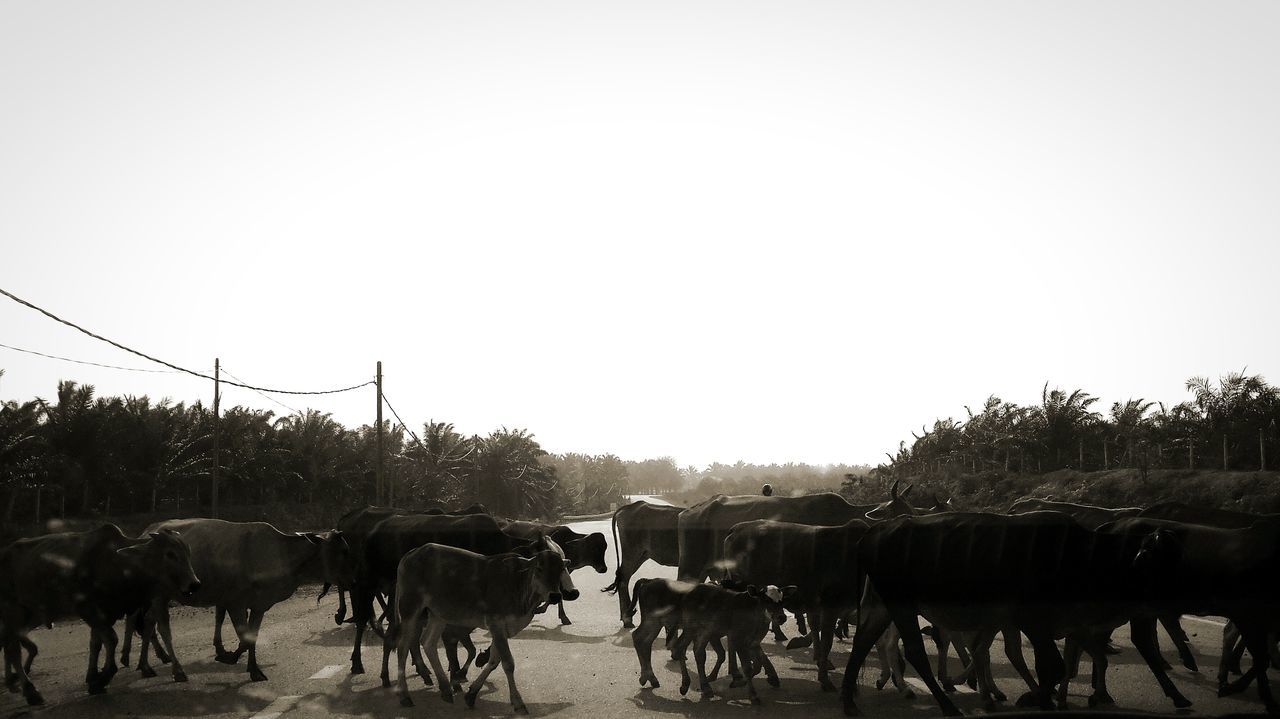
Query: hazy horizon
[713, 231]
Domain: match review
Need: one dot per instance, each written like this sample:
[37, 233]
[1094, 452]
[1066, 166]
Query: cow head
[169, 558]
[337, 560]
[587, 552]
[896, 506]
[753, 609]
[551, 571]
[1158, 550]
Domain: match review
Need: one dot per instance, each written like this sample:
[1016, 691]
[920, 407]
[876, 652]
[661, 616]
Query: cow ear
[789, 591]
[907, 491]
[309, 536]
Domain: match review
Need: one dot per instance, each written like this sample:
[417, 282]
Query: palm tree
[1131, 424]
[1062, 419]
[1234, 410]
[510, 477]
[439, 463]
[71, 430]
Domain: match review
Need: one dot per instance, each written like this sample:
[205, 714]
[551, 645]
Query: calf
[580, 550]
[703, 613]
[99, 576]
[447, 586]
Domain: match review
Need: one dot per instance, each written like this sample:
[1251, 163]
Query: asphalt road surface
[587, 669]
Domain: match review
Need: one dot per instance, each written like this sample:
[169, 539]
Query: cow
[1092, 517]
[447, 586]
[703, 613]
[641, 531]
[702, 528]
[819, 562]
[100, 576]
[395, 536]
[580, 550]
[247, 568]
[1041, 573]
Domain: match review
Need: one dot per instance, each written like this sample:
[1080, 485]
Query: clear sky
[715, 230]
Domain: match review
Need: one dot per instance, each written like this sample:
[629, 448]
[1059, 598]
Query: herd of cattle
[1044, 571]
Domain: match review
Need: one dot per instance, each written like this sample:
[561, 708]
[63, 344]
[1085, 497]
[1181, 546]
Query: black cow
[642, 531]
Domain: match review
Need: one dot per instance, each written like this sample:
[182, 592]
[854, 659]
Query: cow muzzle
[192, 588]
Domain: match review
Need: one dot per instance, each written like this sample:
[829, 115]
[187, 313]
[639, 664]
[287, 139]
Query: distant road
[651, 499]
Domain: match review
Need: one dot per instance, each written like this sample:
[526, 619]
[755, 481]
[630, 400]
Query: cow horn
[893, 490]
[907, 491]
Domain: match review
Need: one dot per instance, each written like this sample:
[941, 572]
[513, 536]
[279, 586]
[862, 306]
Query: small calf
[703, 613]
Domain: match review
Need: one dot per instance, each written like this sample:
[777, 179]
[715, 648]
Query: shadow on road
[558, 634]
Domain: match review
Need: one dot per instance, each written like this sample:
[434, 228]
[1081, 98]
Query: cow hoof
[386, 682]
[737, 682]
[798, 643]
[881, 682]
[998, 695]
[776, 682]
[907, 694]
[827, 686]
[406, 700]
[124, 659]
[1028, 701]
[426, 680]
[1181, 702]
[948, 687]
[470, 699]
[446, 697]
[256, 675]
[32, 695]
[337, 619]
[708, 695]
[563, 623]
[1100, 699]
[628, 624]
[1165, 665]
[146, 671]
[522, 709]
[684, 687]
[780, 637]
[179, 676]
[226, 657]
[357, 668]
[97, 688]
[851, 709]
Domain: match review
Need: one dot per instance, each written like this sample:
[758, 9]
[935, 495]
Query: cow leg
[362, 611]
[340, 616]
[1143, 630]
[509, 666]
[91, 675]
[872, 623]
[160, 614]
[13, 658]
[1071, 659]
[126, 647]
[1050, 670]
[564, 618]
[1095, 643]
[451, 641]
[771, 674]
[403, 631]
[1259, 645]
[642, 640]
[776, 627]
[112, 642]
[251, 637]
[700, 658]
[905, 619]
[735, 671]
[436, 629]
[980, 665]
[1230, 660]
[144, 625]
[719, 650]
[943, 639]
[679, 654]
[238, 623]
[32, 651]
[621, 583]
[824, 624]
[746, 662]
[1172, 624]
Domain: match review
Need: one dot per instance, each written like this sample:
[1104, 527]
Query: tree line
[77, 454]
[1229, 424]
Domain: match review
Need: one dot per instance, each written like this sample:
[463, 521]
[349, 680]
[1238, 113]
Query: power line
[402, 424]
[143, 355]
[86, 362]
[223, 368]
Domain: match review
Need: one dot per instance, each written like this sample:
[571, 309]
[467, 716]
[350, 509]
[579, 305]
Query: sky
[767, 231]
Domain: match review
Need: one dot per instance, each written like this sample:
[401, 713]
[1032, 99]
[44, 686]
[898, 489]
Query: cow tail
[617, 556]
[635, 597]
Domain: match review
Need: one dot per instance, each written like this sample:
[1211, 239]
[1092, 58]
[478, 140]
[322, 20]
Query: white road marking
[1204, 620]
[330, 671]
[277, 707]
[920, 686]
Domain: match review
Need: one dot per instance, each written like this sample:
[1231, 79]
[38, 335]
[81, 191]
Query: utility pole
[1262, 448]
[378, 464]
[217, 396]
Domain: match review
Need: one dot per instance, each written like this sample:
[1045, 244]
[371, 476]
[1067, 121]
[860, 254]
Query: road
[583, 670]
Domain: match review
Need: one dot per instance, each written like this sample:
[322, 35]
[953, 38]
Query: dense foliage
[77, 454]
[1226, 425]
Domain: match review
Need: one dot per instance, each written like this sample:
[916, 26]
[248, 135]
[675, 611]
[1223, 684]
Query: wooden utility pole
[1081, 467]
[1262, 449]
[378, 464]
[1224, 451]
[217, 396]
